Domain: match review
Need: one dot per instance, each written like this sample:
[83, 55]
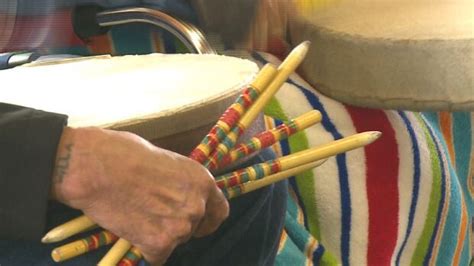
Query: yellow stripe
[204, 148]
[224, 126]
[252, 174]
[310, 247]
[239, 108]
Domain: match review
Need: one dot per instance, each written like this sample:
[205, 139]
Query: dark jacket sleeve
[28, 144]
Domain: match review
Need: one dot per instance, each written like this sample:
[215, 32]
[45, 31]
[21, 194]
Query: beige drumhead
[156, 96]
[392, 53]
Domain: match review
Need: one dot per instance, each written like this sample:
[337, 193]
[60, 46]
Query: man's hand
[154, 198]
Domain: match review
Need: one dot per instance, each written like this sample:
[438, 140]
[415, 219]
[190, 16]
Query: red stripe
[382, 164]
[100, 44]
[43, 31]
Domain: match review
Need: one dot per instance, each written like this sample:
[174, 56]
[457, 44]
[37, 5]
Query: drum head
[154, 95]
[391, 53]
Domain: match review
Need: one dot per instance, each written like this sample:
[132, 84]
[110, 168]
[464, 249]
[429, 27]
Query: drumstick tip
[56, 255]
[295, 57]
[301, 49]
[51, 237]
[373, 136]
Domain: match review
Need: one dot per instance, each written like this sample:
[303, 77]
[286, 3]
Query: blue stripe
[318, 254]
[443, 194]
[432, 118]
[462, 130]
[416, 182]
[449, 238]
[131, 39]
[285, 149]
[346, 210]
[168, 43]
[462, 142]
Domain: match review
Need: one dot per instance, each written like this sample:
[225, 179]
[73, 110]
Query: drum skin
[171, 100]
[414, 55]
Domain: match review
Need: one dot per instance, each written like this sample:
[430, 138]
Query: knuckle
[197, 211]
[151, 256]
[155, 243]
[225, 211]
[183, 229]
[159, 245]
[206, 184]
[152, 244]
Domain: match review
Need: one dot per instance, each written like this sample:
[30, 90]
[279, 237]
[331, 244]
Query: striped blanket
[406, 199]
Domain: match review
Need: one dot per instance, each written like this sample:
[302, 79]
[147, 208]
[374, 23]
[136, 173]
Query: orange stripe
[311, 247]
[446, 123]
[283, 238]
[99, 44]
[462, 234]
[157, 42]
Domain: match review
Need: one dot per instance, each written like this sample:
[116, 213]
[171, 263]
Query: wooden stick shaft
[82, 246]
[261, 170]
[247, 187]
[116, 253]
[287, 67]
[268, 138]
[132, 257]
[230, 117]
[61, 232]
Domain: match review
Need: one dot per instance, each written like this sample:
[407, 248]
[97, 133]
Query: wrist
[62, 162]
[76, 166]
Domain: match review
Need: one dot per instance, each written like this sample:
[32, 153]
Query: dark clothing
[28, 143]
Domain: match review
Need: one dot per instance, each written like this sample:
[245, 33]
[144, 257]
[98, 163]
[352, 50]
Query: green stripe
[304, 181]
[329, 259]
[428, 230]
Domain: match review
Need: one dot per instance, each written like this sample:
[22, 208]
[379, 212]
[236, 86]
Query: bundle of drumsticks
[218, 149]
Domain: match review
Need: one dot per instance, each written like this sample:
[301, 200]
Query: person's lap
[250, 235]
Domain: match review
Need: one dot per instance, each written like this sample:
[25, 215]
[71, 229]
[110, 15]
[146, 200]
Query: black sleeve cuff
[28, 144]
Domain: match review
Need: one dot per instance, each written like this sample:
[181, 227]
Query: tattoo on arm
[62, 165]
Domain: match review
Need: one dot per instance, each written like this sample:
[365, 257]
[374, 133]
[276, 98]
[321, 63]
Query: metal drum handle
[191, 36]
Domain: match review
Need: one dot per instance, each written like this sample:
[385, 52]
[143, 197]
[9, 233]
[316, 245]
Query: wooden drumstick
[75, 226]
[82, 246]
[247, 187]
[288, 66]
[115, 254]
[261, 170]
[132, 257]
[230, 117]
[269, 137]
[264, 174]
